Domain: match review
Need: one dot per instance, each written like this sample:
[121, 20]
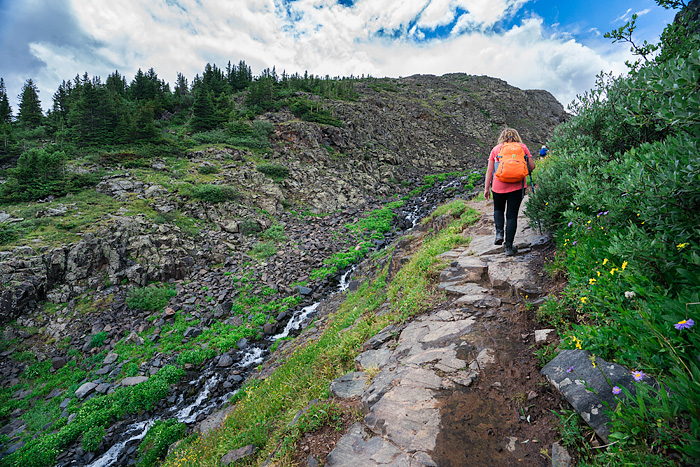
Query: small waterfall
[140, 428]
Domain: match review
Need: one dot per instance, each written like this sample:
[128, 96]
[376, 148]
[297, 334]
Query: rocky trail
[459, 385]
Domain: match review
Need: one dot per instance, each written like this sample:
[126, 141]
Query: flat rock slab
[349, 385]
[359, 448]
[511, 273]
[463, 289]
[482, 245]
[134, 380]
[372, 359]
[85, 389]
[589, 389]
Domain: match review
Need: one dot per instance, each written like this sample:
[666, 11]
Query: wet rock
[214, 420]
[225, 361]
[305, 291]
[192, 332]
[237, 454]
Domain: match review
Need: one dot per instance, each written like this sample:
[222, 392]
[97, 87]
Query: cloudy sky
[537, 44]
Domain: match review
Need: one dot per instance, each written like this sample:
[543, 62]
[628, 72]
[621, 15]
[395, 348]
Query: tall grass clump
[621, 192]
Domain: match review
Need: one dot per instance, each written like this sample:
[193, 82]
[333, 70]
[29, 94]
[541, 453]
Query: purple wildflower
[638, 375]
[574, 242]
[684, 324]
[606, 213]
[570, 224]
[616, 390]
[589, 228]
[600, 214]
[571, 368]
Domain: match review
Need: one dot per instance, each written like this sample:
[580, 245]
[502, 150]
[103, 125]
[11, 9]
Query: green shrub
[274, 171]
[264, 249]
[249, 227]
[208, 169]
[274, 233]
[213, 193]
[621, 191]
[9, 233]
[155, 444]
[149, 298]
[98, 339]
[38, 173]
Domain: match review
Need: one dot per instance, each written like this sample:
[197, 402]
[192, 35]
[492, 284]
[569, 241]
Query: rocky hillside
[234, 239]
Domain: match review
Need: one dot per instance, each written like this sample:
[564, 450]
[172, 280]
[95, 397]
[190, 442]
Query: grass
[265, 408]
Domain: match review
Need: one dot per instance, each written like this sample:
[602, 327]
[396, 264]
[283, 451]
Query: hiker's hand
[487, 193]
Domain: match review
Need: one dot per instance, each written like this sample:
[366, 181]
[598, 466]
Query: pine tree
[5, 109]
[204, 118]
[92, 118]
[29, 105]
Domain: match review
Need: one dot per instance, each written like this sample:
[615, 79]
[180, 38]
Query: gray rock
[359, 448]
[110, 358]
[541, 335]
[372, 359]
[590, 404]
[85, 389]
[225, 361]
[58, 362]
[305, 291]
[349, 385]
[560, 456]
[134, 380]
[237, 454]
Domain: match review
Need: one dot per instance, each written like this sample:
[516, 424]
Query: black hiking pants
[508, 203]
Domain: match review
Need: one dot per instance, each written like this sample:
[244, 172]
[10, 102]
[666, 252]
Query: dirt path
[459, 385]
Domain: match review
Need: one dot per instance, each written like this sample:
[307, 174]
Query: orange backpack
[511, 163]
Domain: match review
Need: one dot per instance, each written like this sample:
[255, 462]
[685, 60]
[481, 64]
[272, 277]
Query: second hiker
[509, 164]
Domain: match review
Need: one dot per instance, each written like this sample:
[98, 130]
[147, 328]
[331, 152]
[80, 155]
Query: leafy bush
[39, 173]
[92, 438]
[149, 298]
[621, 191]
[9, 233]
[212, 193]
[274, 233]
[208, 169]
[98, 339]
[249, 227]
[274, 171]
[155, 444]
[264, 249]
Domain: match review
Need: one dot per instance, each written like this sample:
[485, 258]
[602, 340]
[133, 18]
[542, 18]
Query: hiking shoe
[511, 250]
[499, 238]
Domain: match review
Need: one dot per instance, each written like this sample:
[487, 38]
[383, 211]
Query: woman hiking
[507, 195]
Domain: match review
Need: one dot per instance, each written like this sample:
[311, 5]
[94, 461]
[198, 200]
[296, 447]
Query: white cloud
[322, 37]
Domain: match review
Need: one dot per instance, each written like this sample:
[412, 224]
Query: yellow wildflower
[598, 272]
[624, 265]
[605, 261]
[680, 246]
[584, 299]
[612, 271]
[591, 281]
[592, 359]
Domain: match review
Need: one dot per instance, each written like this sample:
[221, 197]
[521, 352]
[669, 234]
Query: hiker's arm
[530, 159]
[487, 182]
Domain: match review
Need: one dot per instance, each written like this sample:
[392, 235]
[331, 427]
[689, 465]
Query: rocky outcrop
[132, 251]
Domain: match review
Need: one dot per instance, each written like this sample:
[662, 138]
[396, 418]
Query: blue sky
[537, 44]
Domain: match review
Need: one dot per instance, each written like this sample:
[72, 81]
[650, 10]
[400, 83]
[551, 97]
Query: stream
[209, 390]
